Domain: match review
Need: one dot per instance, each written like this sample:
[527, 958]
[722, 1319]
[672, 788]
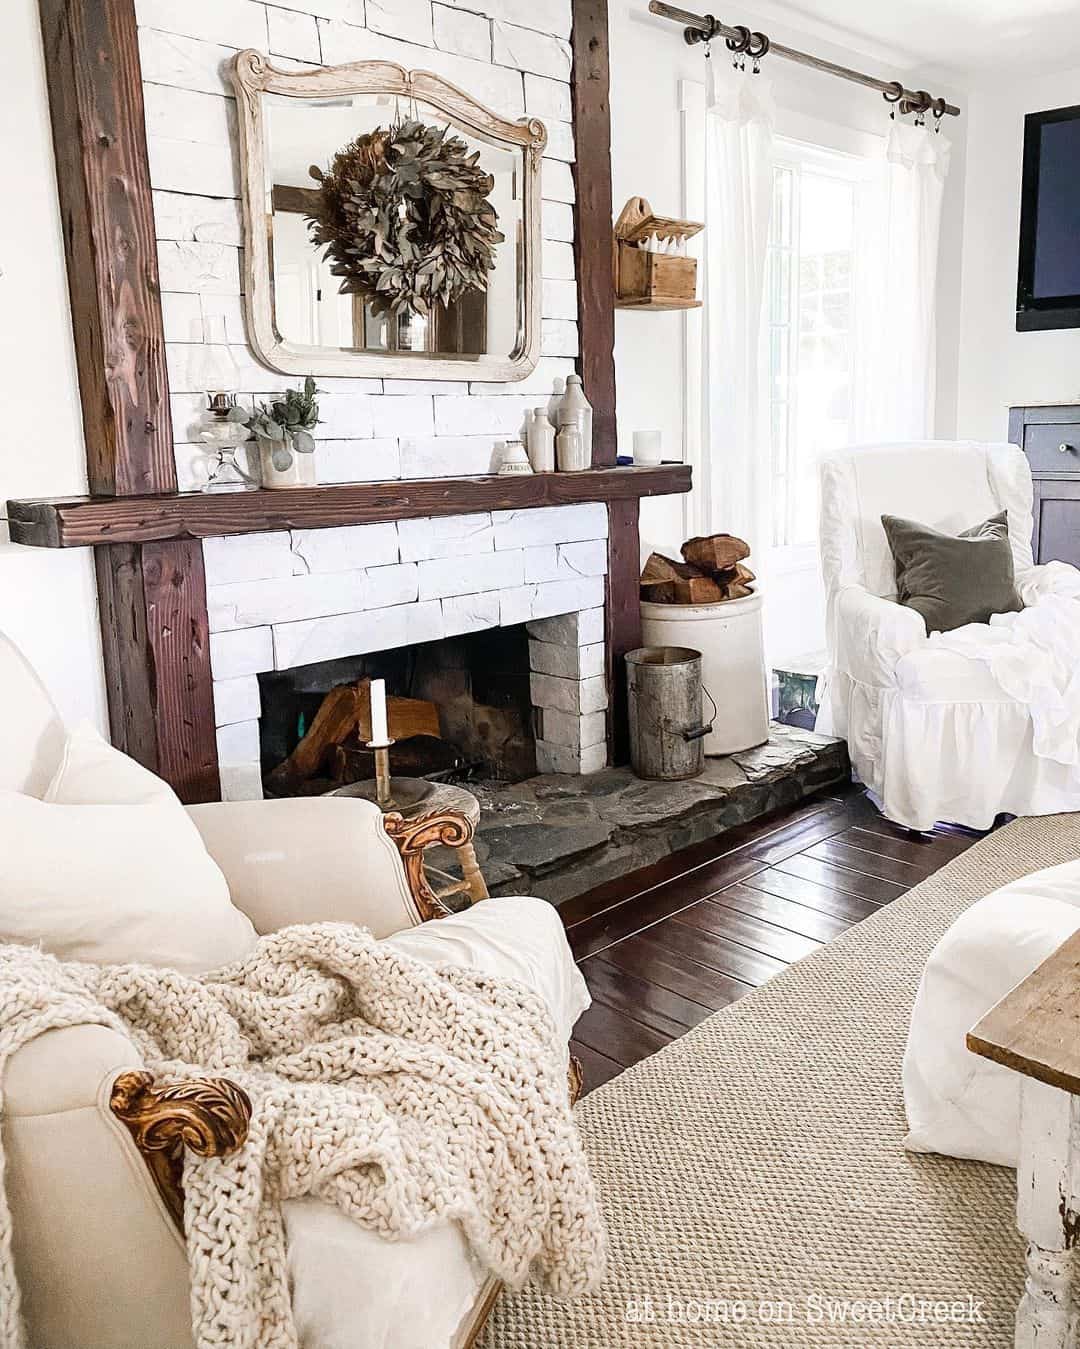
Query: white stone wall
[514, 55]
[294, 597]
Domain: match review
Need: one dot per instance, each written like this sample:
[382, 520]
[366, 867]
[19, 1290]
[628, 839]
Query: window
[810, 323]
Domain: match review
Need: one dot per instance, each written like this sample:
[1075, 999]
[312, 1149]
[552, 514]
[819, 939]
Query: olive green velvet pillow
[953, 579]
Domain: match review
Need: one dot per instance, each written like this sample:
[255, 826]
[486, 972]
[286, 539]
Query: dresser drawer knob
[1063, 448]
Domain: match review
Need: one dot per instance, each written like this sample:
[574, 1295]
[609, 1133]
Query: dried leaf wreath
[405, 218]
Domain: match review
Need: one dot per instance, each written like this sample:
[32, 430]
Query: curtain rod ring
[894, 93]
[740, 44]
[758, 45]
[693, 36]
[937, 107]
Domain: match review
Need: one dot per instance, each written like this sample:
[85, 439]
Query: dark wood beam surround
[149, 562]
[99, 137]
[623, 616]
[596, 322]
[161, 695]
[152, 600]
[593, 220]
[78, 521]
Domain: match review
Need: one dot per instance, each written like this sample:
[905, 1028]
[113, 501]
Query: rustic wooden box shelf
[649, 280]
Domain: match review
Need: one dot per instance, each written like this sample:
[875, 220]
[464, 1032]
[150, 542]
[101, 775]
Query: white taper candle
[379, 731]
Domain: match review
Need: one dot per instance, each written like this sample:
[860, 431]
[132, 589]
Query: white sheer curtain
[896, 267]
[738, 185]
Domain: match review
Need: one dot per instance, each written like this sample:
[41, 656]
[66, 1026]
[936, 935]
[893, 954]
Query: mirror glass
[310, 309]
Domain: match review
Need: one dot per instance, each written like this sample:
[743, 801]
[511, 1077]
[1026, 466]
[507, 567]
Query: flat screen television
[1048, 288]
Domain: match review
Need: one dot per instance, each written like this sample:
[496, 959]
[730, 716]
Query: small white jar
[571, 452]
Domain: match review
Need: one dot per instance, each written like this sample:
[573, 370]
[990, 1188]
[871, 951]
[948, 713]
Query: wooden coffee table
[1035, 1031]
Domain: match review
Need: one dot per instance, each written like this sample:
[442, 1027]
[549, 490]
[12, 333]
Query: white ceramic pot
[300, 473]
[729, 638]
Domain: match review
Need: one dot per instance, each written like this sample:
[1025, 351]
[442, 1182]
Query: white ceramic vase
[301, 470]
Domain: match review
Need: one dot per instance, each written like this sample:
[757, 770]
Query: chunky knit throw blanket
[406, 1095]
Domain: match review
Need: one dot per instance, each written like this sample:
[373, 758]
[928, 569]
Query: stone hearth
[558, 836]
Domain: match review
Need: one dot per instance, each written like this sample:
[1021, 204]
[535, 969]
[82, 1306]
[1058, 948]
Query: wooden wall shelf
[658, 306]
[74, 522]
[647, 280]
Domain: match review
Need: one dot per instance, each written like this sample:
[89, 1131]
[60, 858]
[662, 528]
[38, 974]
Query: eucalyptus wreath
[405, 218]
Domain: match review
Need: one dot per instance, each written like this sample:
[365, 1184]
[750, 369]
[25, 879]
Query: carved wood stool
[416, 799]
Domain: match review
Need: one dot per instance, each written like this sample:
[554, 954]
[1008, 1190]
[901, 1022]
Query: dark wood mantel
[73, 522]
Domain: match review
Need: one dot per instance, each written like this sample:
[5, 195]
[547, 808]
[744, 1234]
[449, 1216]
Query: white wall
[1000, 367]
[47, 597]
[648, 60]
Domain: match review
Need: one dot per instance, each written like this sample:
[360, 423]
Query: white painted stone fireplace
[294, 597]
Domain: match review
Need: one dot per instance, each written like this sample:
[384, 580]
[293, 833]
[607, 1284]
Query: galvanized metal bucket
[667, 734]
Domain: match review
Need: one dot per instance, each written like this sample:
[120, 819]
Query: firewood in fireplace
[417, 756]
[345, 716]
[405, 716]
[335, 720]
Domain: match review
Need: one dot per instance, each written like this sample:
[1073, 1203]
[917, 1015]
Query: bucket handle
[700, 732]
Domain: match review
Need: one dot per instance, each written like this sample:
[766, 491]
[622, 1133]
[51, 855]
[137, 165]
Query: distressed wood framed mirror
[391, 225]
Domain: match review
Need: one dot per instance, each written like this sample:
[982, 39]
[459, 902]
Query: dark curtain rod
[703, 28]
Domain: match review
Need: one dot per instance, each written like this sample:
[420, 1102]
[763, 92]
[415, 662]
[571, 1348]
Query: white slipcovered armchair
[930, 731]
[98, 1246]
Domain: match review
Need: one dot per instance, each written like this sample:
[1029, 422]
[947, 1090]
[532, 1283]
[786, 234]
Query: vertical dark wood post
[623, 614]
[594, 222]
[152, 597]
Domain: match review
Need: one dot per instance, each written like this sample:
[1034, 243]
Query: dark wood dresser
[1050, 437]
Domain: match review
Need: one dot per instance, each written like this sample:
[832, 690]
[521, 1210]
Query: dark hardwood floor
[665, 947]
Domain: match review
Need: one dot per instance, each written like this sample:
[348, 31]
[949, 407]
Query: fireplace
[497, 617]
[461, 710]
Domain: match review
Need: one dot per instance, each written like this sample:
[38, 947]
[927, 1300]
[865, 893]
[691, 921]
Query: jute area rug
[752, 1173]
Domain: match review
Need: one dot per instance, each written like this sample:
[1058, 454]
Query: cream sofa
[99, 1256]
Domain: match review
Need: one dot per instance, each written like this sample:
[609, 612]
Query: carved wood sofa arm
[446, 828]
[209, 1115]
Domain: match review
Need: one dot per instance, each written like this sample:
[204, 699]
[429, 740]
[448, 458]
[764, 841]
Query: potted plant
[282, 429]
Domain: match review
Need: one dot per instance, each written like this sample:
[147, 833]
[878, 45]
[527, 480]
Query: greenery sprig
[287, 424]
[405, 218]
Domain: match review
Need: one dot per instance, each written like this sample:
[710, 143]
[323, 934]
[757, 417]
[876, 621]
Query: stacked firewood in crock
[711, 572]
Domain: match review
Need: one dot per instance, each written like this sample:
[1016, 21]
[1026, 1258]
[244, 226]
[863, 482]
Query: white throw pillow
[110, 868]
[92, 773]
[957, 1102]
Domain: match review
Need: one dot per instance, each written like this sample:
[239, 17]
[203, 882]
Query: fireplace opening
[460, 710]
